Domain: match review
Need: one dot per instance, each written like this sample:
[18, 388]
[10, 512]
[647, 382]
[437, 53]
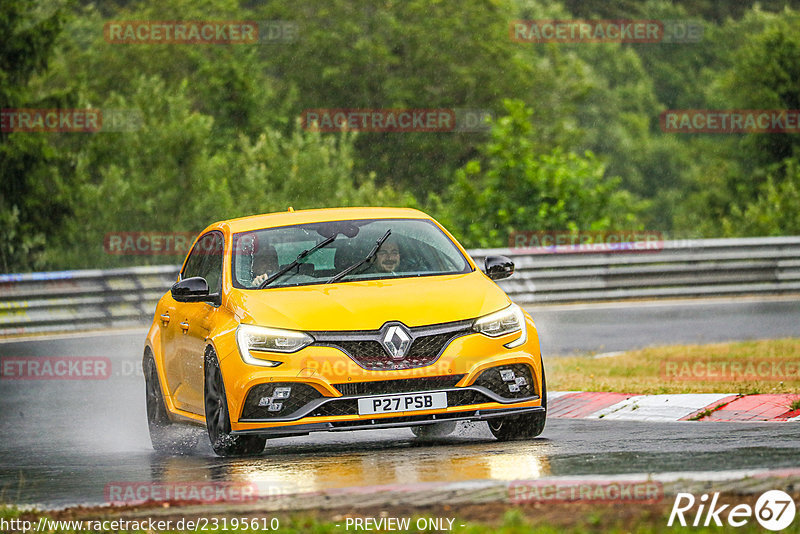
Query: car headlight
[503, 322]
[262, 339]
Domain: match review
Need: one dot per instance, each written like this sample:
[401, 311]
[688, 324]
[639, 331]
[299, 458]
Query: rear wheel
[521, 426]
[165, 435]
[218, 421]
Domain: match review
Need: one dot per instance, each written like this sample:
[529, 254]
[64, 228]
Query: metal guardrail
[688, 268]
[80, 300]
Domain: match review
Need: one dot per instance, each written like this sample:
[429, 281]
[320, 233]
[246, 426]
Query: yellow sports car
[338, 319]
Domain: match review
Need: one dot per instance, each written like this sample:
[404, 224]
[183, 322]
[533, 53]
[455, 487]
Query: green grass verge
[767, 366]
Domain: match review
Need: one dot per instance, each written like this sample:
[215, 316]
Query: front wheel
[165, 436]
[218, 421]
[521, 426]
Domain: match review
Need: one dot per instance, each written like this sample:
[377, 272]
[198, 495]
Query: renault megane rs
[338, 319]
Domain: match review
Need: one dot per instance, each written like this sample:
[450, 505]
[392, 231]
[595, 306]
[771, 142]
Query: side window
[205, 260]
[193, 262]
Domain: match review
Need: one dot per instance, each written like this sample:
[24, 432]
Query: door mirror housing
[194, 289]
[498, 267]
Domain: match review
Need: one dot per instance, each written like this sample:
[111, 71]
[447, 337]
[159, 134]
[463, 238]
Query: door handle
[165, 317]
[185, 326]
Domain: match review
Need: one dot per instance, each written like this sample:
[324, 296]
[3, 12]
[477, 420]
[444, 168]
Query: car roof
[287, 218]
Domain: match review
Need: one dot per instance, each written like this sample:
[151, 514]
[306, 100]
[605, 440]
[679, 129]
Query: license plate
[402, 403]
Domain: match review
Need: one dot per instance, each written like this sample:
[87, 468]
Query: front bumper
[499, 390]
[390, 422]
[327, 383]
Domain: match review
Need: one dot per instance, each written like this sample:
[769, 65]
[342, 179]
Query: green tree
[739, 175]
[774, 211]
[766, 75]
[231, 83]
[170, 175]
[423, 54]
[516, 187]
[33, 175]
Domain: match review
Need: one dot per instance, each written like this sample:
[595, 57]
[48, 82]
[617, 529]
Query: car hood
[367, 305]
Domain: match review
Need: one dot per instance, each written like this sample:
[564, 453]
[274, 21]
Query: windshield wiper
[368, 257]
[297, 261]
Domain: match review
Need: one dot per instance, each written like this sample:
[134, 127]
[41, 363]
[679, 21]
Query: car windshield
[414, 247]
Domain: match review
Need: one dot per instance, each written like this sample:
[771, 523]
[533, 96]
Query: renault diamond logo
[396, 340]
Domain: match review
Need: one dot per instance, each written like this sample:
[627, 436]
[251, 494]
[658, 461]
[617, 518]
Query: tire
[436, 430]
[218, 421]
[165, 435]
[524, 426]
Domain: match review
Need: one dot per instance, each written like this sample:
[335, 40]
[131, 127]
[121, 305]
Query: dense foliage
[575, 142]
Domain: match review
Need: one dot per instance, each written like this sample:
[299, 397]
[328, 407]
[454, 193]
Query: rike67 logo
[774, 510]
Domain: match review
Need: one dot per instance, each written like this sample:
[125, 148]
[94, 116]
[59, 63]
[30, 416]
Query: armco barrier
[81, 300]
[688, 268]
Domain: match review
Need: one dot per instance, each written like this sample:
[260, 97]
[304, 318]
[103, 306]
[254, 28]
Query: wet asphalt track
[62, 442]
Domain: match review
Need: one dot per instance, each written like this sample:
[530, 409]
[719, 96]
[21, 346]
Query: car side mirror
[498, 267]
[194, 289]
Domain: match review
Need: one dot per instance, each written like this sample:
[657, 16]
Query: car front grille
[403, 385]
[363, 351]
[365, 348]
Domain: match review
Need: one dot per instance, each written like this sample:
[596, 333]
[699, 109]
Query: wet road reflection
[63, 442]
[374, 462]
[55, 476]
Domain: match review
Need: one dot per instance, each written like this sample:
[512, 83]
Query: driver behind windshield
[265, 262]
[387, 260]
